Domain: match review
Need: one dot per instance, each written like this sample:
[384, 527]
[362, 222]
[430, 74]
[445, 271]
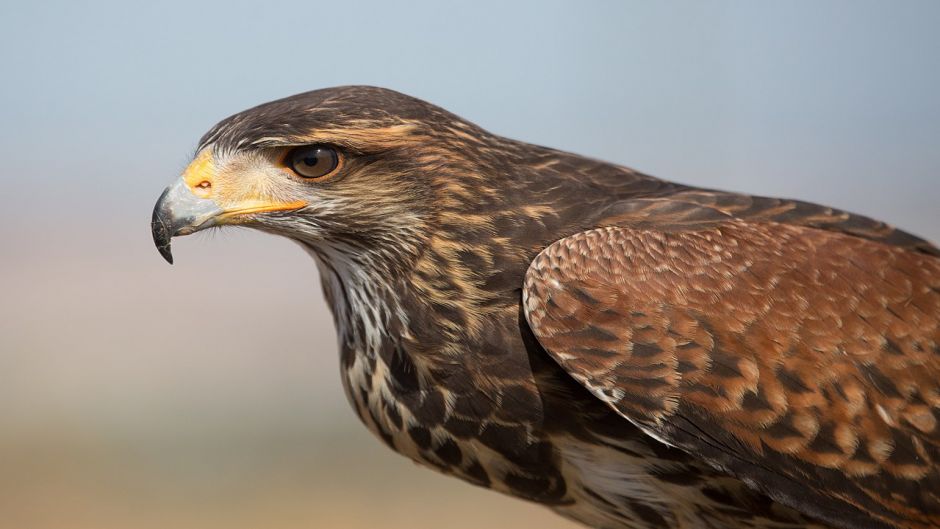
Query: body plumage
[627, 351]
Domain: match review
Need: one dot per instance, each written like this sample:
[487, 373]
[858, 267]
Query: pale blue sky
[835, 101]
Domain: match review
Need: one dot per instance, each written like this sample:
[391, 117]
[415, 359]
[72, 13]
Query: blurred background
[207, 395]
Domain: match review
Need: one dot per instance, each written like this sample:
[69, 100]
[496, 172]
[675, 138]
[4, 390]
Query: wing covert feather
[805, 362]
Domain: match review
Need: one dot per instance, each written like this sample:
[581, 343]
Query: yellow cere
[198, 176]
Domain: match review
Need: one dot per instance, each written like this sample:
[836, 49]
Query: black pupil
[313, 158]
[313, 162]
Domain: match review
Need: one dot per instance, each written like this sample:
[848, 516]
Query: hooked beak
[190, 204]
[180, 212]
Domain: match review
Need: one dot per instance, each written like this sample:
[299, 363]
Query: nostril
[203, 189]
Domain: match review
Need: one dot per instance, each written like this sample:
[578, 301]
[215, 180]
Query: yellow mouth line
[263, 208]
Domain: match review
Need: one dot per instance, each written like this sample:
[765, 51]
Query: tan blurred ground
[203, 395]
[300, 481]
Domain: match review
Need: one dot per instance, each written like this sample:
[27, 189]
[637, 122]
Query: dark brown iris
[313, 161]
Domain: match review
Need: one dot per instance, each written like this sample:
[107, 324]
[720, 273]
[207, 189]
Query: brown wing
[806, 362]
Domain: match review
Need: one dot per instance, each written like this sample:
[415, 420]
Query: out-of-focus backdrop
[206, 395]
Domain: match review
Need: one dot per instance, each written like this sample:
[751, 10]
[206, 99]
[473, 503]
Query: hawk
[631, 352]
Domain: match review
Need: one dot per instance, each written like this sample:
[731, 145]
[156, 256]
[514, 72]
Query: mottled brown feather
[803, 361]
[724, 348]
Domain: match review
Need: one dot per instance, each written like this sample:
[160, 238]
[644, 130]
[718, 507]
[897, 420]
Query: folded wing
[804, 361]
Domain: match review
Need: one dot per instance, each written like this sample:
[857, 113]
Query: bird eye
[313, 161]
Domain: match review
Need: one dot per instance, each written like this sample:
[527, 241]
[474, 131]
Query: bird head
[348, 170]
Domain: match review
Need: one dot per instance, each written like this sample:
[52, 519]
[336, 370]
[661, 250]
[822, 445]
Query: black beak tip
[161, 232]
[166, 253]
[161, 238]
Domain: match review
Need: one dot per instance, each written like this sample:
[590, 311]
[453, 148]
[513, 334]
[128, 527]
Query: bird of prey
[631, 352]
